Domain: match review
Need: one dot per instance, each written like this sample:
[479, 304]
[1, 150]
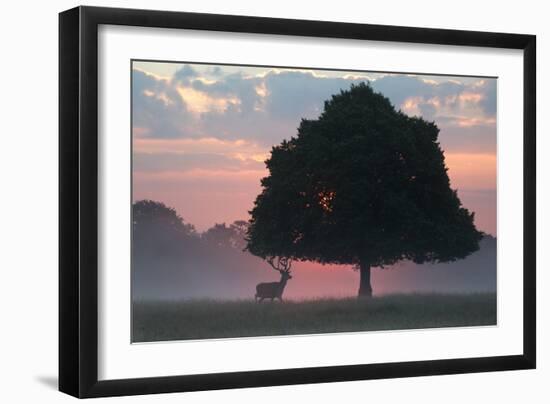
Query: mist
[172, 261]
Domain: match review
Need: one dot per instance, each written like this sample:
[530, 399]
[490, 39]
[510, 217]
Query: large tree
[364, 184]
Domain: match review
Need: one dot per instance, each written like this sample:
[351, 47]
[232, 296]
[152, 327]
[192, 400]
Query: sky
[201, 133]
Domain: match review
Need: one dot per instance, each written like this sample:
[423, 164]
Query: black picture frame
[78, 200]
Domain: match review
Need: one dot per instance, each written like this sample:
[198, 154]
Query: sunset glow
[201, 133]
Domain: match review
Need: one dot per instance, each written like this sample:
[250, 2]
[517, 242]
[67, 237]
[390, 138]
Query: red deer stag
[274, 290]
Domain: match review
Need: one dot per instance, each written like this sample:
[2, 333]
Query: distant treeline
[171, 260]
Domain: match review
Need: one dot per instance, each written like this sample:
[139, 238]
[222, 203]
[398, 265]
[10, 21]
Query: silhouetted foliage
[191, 267]
[219, 235]
[159, 229]
[239, 228]
[363, 184]
[232, 236]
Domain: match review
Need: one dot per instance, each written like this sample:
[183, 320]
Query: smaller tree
[232, 236]
[218, 235]
[158, 229]
[238, 237]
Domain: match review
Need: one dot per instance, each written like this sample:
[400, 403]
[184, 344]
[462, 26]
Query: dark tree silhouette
[239, 228]
[219, 235]
[158, 229]
[232, 236]
[364, 184]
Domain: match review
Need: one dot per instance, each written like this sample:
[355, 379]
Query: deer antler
[283, 264]
[270, 262]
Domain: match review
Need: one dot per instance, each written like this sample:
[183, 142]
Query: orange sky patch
[472, 171]
[200, 145]
[208, 196]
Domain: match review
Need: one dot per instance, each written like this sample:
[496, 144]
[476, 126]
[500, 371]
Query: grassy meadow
[203, 319]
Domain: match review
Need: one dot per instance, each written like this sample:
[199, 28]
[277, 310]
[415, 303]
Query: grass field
[200, 319]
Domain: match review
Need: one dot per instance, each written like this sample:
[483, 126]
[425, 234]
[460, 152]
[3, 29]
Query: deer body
[271, 290]
[274, 290]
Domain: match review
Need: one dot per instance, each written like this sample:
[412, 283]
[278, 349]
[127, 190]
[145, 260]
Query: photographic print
[272, 201]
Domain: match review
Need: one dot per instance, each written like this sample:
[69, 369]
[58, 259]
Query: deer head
[281, 265]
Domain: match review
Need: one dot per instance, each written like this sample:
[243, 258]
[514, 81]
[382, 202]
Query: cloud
[437, 98]
[216, 71]
[271, 106]
[399, 88]
[489, 101]
[184, 74]
[234, 85]
[267, 108]
[158, 109]
[293, 95]
[201, 136]
[465, 112]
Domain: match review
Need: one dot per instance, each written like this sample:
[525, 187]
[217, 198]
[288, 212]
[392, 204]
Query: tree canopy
[232, 236]
[158, 228]
[363, 184]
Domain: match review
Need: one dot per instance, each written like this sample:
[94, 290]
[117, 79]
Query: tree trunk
[365, 288]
